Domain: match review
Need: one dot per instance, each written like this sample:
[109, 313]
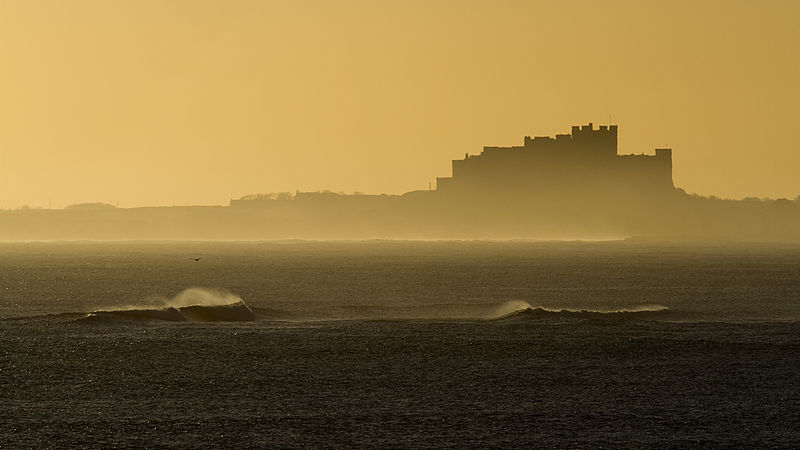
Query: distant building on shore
[585, 160]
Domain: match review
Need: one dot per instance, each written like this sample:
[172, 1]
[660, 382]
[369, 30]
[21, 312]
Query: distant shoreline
[421, 215]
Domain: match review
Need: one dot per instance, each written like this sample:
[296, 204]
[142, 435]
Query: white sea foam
[515, 307]
[510, 307]
[197, 296]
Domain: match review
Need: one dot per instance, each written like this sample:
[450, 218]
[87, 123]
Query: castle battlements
[585, 158]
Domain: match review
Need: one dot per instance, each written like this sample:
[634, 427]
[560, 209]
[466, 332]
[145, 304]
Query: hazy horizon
[155, 104]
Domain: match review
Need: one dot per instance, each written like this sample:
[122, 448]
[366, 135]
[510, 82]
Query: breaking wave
[216, 305]
[515, 311]
[191, 305]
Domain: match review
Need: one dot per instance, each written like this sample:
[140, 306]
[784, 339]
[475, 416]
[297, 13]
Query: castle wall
[586, 159]
[645, 171]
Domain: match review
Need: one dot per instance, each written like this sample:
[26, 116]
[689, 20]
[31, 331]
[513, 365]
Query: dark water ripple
[401, 384]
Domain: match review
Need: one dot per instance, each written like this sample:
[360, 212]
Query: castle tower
[591, 143]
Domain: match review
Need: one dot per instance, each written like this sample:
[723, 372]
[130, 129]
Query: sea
[421, 344]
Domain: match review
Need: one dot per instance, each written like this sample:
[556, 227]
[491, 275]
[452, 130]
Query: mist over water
[405, 280]
[197, 296]
[510, 307]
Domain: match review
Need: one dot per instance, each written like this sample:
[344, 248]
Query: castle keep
[585, 160]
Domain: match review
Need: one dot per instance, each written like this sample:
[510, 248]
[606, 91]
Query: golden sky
[155, 102]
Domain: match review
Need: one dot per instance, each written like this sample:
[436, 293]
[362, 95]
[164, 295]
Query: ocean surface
[399, 344]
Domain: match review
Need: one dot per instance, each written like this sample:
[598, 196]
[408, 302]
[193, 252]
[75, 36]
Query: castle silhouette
[584, 160]
[573, 186]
